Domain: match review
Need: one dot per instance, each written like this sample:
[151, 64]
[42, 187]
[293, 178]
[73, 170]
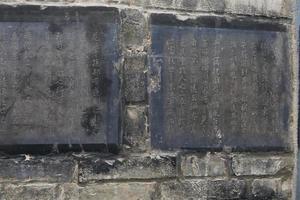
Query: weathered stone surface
[135, 78]
[134, 167]
[226, 189]
[215, 83]
[134, 28]
[279, 8]
[46, 169]
[136, 135]
[269, 189]
[111, 191]
[203, 189]
[261, 165]
[269, 8]
[187, 189]
[30, 192]
[203, 165]
[58, 80]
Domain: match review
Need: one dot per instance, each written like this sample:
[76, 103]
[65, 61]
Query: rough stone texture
[260, 165]
[136, 135]
[269, 8]
[30, 192]
[135, 78]
[203, 165]
[111, 191]
[186, 189]
[139, 167]
[134, 29]
[269, 189]
[226, 189]
[203, 189]
[47, 169]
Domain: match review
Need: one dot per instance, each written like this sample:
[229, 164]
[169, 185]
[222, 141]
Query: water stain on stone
[91, 120]
[55, 28]
[95, 30]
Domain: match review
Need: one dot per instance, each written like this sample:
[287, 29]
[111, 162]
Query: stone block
[111, 191]
[30, 192]
[186, 189]
[134, 167]
[269, 189]
[136, 134]
[194, 165]
[134, 29]
[42, 169]
[226, 189]
[135, 78]
[261, 165]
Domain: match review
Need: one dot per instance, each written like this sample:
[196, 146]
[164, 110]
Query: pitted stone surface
[135, 167]
[203, 165]
[260, 165]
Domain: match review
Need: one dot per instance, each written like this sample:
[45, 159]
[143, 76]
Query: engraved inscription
[56, 68]
[219, 87]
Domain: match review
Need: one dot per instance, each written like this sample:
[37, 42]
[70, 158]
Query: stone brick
[135, 128]
[226, 189]
[134, 28]
[47, 168]
[134, 167]
[260, 165]
[186, 189]
[203, 189]
[135, 79]
[30, 192]
[161, 3]
[278, 8]
[212, 5]
[188, 5]
[269, 189]
[111, 191]
[203, 165]
[270, 8]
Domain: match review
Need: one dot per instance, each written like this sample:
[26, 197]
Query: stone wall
[138, 171]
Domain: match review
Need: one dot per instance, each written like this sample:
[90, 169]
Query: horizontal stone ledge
[133, 167]
[259, 165]
[268, 8]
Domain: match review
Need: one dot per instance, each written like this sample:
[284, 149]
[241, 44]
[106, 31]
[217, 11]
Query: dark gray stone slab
[58, 82]
[214, 83]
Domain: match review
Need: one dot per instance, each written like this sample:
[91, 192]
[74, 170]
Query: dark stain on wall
[91, 120]
[55, 28]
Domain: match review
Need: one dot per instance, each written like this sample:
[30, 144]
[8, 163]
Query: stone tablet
[216, 83]
[58, 77]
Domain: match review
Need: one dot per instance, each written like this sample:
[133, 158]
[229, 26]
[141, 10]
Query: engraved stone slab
[58, 82]
[215, 83]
